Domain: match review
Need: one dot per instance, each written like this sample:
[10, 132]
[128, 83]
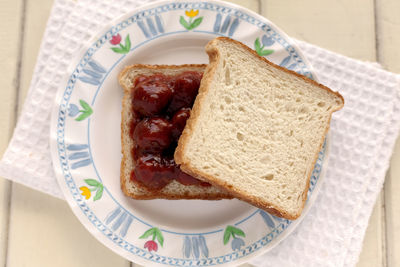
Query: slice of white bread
[173, 190]
[256, 129]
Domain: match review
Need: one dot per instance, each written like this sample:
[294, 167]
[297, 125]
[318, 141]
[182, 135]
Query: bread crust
[174, 190]
[186, 166]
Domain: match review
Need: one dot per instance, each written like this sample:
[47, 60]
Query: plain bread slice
[256, 129]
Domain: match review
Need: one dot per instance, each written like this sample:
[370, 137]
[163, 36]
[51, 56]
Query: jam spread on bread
[161, 105]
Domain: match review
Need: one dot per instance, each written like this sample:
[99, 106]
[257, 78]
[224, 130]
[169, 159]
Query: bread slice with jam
[156, 103]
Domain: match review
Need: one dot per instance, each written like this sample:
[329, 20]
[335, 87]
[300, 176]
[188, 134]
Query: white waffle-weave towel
[363, 136]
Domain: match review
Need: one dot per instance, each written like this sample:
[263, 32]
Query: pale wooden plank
[5, 187]
[253, 5]
[43, 230]
[36, 19]
[392, 209]
[346, 27]
[372, 254]
[388, 26]
[10, 21]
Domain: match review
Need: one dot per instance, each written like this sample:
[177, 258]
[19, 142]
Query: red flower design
[151, 245]
[116, 39]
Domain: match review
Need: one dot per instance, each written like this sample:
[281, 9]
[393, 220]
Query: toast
[174, 190]
[256, 128]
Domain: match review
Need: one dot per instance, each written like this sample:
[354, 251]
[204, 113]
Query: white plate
[85, 139]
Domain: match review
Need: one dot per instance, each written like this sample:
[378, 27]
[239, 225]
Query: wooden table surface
[39, 230]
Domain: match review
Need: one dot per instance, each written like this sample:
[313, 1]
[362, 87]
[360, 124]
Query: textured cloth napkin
[362, 136]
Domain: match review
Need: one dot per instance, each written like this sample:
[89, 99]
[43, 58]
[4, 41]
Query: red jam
[162, 106]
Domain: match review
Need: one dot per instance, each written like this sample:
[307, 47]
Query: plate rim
[55, 115]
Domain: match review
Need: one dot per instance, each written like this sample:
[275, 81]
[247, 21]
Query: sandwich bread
[256, 128]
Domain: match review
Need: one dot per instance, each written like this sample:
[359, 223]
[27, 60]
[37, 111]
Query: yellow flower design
[85, 191]
[192, 13]
[193, 22]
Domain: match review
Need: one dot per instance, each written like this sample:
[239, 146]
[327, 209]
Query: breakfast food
[256, 129]
[155, 107]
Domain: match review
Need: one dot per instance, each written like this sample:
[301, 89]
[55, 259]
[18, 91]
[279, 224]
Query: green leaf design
[147, 233]
[257, 45]
[159, 236]
[184, 23]
[227, 234]
[99, 193]
[237, 231]
[230, 230]
[266, 52]
[127, 43]
[83, 116]
[84, 105]
[118, 50]
[93, 182]
[86, 112]
[195, 23]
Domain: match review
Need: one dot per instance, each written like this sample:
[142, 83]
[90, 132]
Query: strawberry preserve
[161, 105]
